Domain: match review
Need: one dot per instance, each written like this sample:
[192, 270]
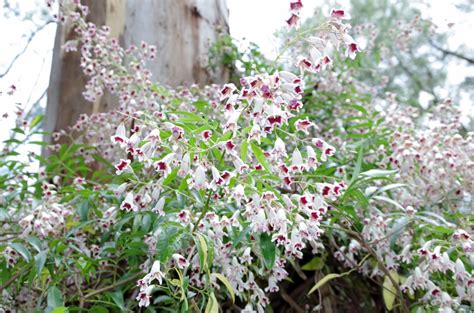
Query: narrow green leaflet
[388, 200]
[171, 176]
[35, 242]
[268, 250]
[36, 120]
[21, 249]
[40, 260]
[323, 281]
[378, 173]
[389, 291]
[316, 263]
[202, 250]
[244, 147]
[83, 210]
[168, 238]
[390, 187]
[212, 304]
[260, 156]
[226, 283]
[55, 297]
[332, 276]
[189, 117]
[438, 217]
[118, 299]
[360, 158]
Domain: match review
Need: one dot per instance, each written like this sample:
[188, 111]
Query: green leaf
[366, 125]
[244, 147]
[360, 158]
[98, 309]
[378, 173]
[188, 117]
[315, 264]
[4, 214]
[433, 215]
[200, 104]
[59, 309]
[35, 243]
[388, 200]
[241, 235]
[40, 260]
[39, 143]
[210, 247]
[183, 185]
[18, 130]
[390, 187]
[12, 140]
[21, 249]
[55, 297]
[331, 276]
[171, 176]
[443, 230]
[226, 283]
[226, 136]
[323, 281]
[168, 238]
[118, 299]
[360, 108]
[202, 251]
[359, 195]
[83, 210]
[268, 250]
[389, 291]
[36, 120]
[260, 156]
[212, 304]
[162, 91]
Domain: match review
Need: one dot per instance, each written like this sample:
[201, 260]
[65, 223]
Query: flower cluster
[432, 160]
[435, 160]
[11, 256]
[48, 218]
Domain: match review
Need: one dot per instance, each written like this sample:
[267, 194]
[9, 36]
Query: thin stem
[28, 42]
[209, 194]
[404, 306]
[113, 286]
[13, 279]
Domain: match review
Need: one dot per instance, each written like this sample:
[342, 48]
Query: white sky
[256, 20]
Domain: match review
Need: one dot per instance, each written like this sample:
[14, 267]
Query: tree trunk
[182, 31]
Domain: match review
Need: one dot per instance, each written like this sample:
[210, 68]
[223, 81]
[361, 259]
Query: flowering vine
[219, 192]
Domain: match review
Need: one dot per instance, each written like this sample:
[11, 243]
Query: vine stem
[371, 251]
[10, 281]
[110, 287]
[206, 206]
[403, 304]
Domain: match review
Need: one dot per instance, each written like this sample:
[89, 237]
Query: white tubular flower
[129, 203]
[180, 261]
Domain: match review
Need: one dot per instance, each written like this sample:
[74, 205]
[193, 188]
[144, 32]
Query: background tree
[182, 31]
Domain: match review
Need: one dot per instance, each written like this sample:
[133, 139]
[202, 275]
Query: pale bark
[182, 30]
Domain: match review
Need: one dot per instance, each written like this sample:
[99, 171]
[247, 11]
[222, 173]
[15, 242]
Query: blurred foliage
[239, 57]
